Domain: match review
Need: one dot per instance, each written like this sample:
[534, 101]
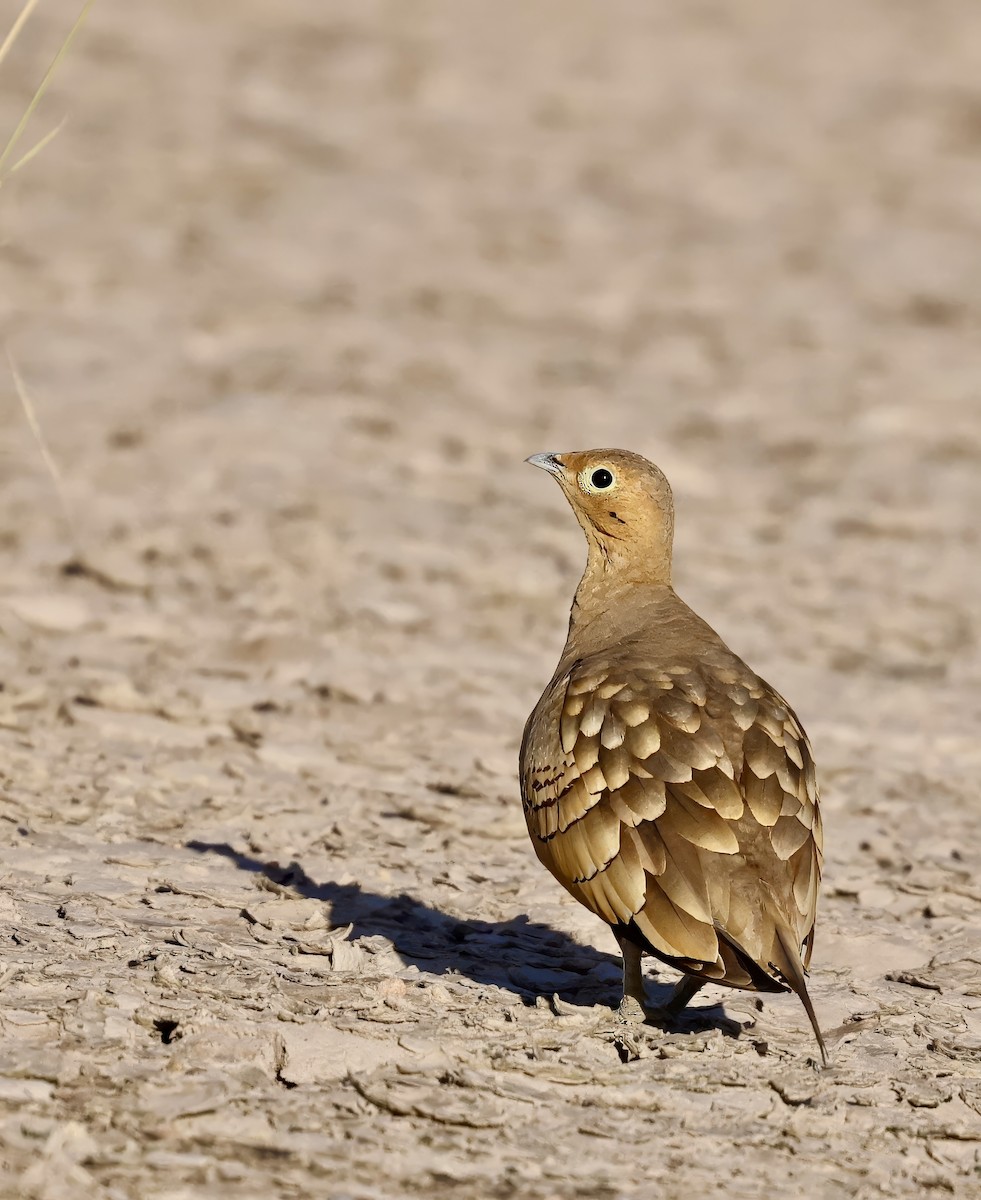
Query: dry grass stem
[17, 26]
[42, 87]
[27, 404]
[24, 396]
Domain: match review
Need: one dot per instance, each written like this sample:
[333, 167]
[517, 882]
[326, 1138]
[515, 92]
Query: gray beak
[548, 462]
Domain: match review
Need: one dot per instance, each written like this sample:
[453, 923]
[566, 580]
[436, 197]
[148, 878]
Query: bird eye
[600, 480]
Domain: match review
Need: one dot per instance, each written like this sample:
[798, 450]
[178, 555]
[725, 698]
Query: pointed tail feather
[791, 970]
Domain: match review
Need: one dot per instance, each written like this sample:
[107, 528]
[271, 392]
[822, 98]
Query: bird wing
[679, 804]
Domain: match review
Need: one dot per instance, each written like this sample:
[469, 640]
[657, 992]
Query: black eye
[601, 479]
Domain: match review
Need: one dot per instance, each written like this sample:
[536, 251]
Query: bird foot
[633, 1012]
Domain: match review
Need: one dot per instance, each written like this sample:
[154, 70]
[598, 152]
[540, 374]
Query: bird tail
[791, 969]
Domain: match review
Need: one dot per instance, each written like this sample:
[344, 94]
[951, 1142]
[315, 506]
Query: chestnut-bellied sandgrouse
[665, 785]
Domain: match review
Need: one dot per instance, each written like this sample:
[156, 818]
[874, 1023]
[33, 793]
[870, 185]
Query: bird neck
[623, 556]
[619, 590]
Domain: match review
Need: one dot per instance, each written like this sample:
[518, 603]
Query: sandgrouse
[665, 785]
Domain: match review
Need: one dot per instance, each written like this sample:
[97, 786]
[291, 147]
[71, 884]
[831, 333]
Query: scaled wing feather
[655, 797]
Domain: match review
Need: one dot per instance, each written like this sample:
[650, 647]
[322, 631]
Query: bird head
[624, 505]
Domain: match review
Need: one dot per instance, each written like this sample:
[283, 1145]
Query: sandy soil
[296, 290]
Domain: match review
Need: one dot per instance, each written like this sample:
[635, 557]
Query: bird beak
[548, 462]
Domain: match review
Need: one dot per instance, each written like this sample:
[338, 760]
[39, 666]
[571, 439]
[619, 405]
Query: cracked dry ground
[296, 290]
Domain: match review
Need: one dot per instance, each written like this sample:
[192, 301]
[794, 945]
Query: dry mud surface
[296, 290]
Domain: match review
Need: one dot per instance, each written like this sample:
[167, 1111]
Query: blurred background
[331, 271]
[298, 287]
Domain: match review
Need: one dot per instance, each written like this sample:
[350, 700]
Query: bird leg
[633, 1006]
[684, 990]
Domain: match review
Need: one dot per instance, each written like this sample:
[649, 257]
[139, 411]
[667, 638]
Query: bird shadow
[520, 956]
